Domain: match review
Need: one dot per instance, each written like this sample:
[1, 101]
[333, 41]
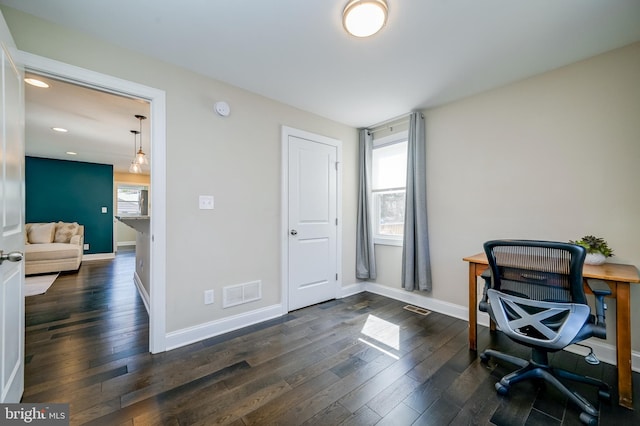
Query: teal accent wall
[72, 191]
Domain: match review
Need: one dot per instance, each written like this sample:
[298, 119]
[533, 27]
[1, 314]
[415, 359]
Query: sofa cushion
[52, 251]
[64, 232]
[41, 233]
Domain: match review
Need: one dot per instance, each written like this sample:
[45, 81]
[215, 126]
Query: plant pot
[595, 259]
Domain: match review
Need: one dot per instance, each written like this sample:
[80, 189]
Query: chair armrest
[484, 303]
[600, 289]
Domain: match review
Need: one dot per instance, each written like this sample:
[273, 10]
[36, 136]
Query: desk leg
[473, 303]
[623, 343]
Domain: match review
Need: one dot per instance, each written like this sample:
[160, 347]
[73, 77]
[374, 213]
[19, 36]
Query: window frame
[380, 239]
[131, 186]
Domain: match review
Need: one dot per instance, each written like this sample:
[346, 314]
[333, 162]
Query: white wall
[236, 159]
[552, 157]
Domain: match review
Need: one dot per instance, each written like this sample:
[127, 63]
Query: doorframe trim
[157, 99]
[284, 216]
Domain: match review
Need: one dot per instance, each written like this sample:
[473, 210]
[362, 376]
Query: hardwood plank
[333, 414]
[273, 413]
[363, 417]
[303, 410]
[402, 414]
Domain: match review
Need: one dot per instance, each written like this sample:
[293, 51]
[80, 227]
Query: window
[130, 200]
[389, 178]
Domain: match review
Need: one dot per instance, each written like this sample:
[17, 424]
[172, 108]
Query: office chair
[534, 293]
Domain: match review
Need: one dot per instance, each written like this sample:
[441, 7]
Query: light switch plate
[104, 210]
[208, 297]
[206, 202]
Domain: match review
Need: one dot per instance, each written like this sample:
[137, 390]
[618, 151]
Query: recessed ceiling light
[72, 153]
[35, 82]
[59, 129]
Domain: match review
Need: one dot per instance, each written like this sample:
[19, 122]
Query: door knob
[294, 232]
[14, 256]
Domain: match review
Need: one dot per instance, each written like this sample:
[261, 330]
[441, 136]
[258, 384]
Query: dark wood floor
[361, 360]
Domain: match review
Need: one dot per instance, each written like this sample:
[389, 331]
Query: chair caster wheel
[484, 358]
[604, 394]
[501, 389]
[588, 419]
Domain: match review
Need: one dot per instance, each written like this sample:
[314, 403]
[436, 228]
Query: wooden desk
[619, 277]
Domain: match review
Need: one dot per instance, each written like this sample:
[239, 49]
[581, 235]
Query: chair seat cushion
[548, 325]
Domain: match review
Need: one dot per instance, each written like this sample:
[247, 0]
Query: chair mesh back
[537, 270]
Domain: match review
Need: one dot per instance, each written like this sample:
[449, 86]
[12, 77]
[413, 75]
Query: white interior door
[312, 221]
[11, 222]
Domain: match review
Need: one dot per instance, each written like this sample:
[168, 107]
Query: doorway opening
[155, 99]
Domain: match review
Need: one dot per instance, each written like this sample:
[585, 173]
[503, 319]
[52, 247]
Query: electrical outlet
[208, 297]
[205, 202]
[86, 246]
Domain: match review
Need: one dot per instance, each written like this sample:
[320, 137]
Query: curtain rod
[381, 127]
[401, 119]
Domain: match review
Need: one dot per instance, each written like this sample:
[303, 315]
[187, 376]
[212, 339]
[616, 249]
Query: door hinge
[336, 221]
[336, 277]
[337, 162]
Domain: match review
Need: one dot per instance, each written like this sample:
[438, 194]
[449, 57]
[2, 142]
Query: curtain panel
[416, 264]
[365, 254]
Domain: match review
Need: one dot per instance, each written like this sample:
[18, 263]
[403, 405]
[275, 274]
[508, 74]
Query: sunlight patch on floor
[385, 334]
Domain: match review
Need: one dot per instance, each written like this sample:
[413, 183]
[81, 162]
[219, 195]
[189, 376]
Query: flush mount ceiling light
[364, 18]
[59, 129]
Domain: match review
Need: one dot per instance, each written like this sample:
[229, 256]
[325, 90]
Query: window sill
[388, 241]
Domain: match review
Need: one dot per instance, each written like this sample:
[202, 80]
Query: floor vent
[417, 310]
[241, 293]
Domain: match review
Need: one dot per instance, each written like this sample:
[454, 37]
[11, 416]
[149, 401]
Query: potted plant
[597, 249]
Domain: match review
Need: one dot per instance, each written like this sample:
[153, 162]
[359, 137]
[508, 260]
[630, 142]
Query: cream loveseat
[53, 247]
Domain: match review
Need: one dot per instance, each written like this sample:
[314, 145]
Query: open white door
[312, 219]
[11, 222]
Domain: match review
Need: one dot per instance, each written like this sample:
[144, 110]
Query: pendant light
[141, 158]
[135, 166]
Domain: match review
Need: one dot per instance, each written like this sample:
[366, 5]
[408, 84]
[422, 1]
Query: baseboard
[415, 298]
[125, 243]
[98, 256]
[604, 351]
[186, 336]
[351, 289]
[142, 292]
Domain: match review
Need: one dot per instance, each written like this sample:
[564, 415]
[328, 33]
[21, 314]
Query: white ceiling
[99, 124]
[296, 51]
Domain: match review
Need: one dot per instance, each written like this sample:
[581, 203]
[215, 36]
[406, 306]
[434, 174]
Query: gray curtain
[416, 265]
[365, 254]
